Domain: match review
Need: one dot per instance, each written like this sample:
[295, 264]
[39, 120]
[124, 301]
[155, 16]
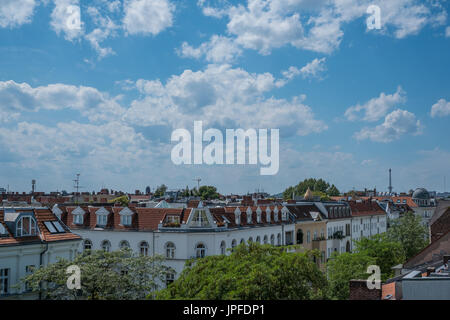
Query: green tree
[122, 200]
[387, 253]
[342, 268]
[160, 191]
[208, 192]
[409, 231]
[316, 185]
[104, 276]
[251, 272]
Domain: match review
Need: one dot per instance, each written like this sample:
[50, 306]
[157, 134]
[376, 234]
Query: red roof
[365, 208]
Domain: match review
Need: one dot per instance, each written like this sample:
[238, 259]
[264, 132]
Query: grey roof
[421, 193]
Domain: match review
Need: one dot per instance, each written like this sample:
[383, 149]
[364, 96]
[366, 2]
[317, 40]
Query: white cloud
[217, 50]
[440, 108]
[395, 125]
[313, 69]
[376, 108]
[147, 16]
[14, 13]
[16, 98]
[447, 32]
[264, 25]
[224, 96]
[66, 19]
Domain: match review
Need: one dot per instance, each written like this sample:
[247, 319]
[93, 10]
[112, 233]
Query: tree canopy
[409, 232]
[160, 191]
[251, 272]
[342, 268]
[104, 276]
[208, 192]
[320, 186]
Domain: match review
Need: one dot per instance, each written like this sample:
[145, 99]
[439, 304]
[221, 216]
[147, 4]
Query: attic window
[26, 226]
[54, 227]
[3, 232]
[78, 219]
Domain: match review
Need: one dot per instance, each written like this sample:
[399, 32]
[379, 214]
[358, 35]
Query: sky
[97, 87]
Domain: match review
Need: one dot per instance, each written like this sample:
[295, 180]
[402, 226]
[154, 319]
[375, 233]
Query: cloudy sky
[103, 99]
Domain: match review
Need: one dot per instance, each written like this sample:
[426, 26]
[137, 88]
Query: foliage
[160, 191]
[342, 268]
[386, 252]
[104, 276]
[122, 200]
[208, 192]
[409, 232]
[251, 272]
[320, 186]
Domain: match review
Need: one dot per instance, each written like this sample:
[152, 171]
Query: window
[242, 241]
[143, 248]
[200, 219]
[272, 240]
[250, 239]
[223, 247]
[308, 237]
[125, 220]
[233, 244]
[54, 226]
[170, 250]
[124, 244]
[299, 236]
[258, 239]
[87, 244]
[200, 250]
[279, 240]
[106, 246]
[29, 270]
[3, 231]
[78, 219]
[266, 240]
[102, 219]
[170, 277]
[26, 226]
[315, 235]
[4, 281]
[58, 226]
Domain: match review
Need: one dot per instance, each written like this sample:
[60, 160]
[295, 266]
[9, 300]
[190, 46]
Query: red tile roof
[365, 208]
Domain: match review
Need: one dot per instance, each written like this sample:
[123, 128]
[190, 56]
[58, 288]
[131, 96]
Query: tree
[387, 253]
[208, 192]
[122, 200]
[409, 231]
[160, 191]
[251, 272]
[104, 276]
[342, 268]
[315, 185]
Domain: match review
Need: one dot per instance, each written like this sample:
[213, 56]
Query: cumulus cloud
[264, 25]
[14, 13]
[66, 19]
[395, 125]
[147, 16]
[224, 96]
[440, 108]
[217, 50]
[16, 98]
[313, 69]
[376, 108]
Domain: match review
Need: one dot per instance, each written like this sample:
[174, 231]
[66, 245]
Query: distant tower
[33, 186]
[390, 181]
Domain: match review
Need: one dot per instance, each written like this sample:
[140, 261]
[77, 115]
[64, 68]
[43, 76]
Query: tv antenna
[198, 182]
[77, 183]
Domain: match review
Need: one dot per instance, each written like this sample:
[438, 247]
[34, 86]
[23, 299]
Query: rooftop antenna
[33, 186]
[390, 182]
[198, 183]
[77, 183]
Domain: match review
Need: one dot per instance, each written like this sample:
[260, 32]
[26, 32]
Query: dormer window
[78, 219]
[126, 217]
[102, 217]
[3, 231]
[275, 214]
[200, 219]
[284, 214]
[26, 226]
[238, 217]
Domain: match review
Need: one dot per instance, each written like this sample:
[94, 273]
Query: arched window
[170, 277]
[242, 241]
[87, 244]
[250, 239]
[233, 244]
[26, 226]
[106, 246]
[170, 250]
[223, 247]
[258, 239]
[279, 240]
[272, 240]
[200, 250]
[266, 239]
[124, 244]
[143, 248]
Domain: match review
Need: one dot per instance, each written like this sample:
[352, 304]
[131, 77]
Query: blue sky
[103, 100]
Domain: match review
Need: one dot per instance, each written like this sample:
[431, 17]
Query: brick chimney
[360, 291]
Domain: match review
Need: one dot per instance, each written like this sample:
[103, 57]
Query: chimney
[360, 291]
[430, 270]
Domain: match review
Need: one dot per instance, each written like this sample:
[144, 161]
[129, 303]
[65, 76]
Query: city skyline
[102, 100]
